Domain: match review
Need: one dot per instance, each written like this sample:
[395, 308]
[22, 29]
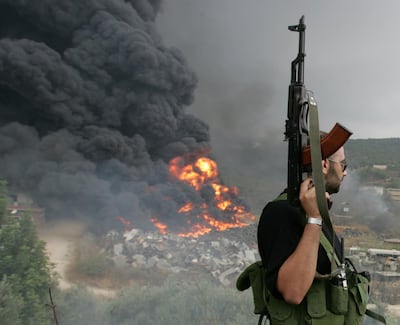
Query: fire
[196, 231]
[162, 228]
[204, 171]
[196, 174]
[186, 208]
[126, 223]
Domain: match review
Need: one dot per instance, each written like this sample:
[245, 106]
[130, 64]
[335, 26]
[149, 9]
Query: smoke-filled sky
[241, 52]
[97, 96]
[93, 107]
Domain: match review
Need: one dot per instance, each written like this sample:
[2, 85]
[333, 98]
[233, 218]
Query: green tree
[24, 262]
[10, 304]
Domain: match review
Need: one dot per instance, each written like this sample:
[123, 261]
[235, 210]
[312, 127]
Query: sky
[93, 116]
[99, 96]
[241, 53]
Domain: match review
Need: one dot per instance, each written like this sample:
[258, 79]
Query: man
[289, 237]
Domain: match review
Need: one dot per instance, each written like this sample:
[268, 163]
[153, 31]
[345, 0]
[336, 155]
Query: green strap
[376, 316]
[317, 175]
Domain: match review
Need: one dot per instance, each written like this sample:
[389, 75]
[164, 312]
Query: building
[21, 204]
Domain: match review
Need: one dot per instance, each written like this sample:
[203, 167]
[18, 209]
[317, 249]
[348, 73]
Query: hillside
[258, 168]
[366, 152]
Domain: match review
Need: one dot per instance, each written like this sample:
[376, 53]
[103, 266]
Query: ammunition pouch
[253, 276]
[358, 296]
[325, 303]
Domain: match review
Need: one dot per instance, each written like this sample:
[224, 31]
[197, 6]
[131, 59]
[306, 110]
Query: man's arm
[297, 273]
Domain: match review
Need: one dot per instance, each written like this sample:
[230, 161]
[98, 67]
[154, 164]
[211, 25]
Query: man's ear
[325, 166]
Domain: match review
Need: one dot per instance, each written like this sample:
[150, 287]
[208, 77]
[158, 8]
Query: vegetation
[367, 152]
[90, 261]
[176, 302]
[26, 272]
[10, 304]
[77, 306]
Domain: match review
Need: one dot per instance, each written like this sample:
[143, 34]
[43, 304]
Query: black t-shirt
[279, 231]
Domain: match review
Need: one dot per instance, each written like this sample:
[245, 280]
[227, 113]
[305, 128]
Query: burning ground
[93, 121]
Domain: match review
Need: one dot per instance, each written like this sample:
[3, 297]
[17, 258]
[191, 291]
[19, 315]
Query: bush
[93, 265]
[77, 306]
[90, 261]
[180, 303]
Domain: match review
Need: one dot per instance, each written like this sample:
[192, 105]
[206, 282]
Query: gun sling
[318, 180]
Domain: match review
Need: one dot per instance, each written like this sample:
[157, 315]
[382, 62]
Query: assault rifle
[296, 127]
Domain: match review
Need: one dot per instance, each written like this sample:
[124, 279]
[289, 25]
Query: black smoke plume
[93, 108]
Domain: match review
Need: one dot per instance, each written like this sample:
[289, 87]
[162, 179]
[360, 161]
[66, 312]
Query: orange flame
[205, 171]
[196, 231]
[186, 208]
[196, 174]
[162, 228]
[126, 223]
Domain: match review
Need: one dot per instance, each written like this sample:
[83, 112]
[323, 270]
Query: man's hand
[308, 198]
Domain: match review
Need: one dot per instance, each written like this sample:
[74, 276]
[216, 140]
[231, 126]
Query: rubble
[221, 257]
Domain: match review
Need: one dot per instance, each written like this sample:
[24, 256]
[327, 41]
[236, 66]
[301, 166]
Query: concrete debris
[222, 258]
[221, 255]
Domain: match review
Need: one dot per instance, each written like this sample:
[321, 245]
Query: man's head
[334, 170]
[334, 166]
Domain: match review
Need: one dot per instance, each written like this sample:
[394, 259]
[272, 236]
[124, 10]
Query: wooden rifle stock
[335, 139]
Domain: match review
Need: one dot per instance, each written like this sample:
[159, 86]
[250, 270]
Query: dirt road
[60, 238]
